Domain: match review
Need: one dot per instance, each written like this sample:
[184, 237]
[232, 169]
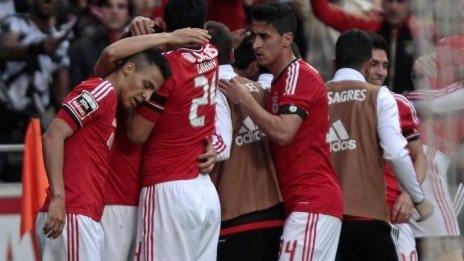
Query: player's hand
[240, 35]
[207, 160]
[234, 90]
[188, 36]
[141, 25]
[402, 209]
[56, 218]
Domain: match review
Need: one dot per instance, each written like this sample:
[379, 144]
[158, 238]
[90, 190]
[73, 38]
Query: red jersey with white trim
[124, 182]
[184, 112]
[90, 111]
[409, 128]
[306, 177]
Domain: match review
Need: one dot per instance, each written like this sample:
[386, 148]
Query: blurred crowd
[49, 46]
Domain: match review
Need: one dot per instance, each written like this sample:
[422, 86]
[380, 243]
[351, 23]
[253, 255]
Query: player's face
[140, 85]
[378, 67]
[115, 14]
[268, 44]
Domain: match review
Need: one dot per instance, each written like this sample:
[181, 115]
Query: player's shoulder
[193, 55]
[305, 71]
[402, 101]
[95, 89]
[252, 86]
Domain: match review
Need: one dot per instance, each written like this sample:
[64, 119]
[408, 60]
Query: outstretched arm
[111, 55]
[341, 20]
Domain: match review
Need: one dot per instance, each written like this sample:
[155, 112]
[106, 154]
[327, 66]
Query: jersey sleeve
[152, 109]
[409, 121]
[85, 103]
[301, 88]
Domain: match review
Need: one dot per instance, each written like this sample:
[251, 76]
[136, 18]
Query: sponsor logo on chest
[338, 138]
[248, 133]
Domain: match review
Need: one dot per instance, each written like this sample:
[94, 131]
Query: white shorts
[179, 220]
[119, 225]
[443, 222]
[405, 242]
[309, 236]
[82, 239]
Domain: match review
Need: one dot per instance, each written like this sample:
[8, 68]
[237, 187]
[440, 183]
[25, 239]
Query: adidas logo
[248, 133]
[338, 138]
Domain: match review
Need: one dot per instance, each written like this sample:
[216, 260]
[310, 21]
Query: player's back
[187, 118]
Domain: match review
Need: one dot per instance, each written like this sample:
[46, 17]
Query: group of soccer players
[130, 154]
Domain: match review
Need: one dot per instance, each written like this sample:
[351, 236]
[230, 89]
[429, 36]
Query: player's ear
[128, 68]
[365, 68]
[287, 39]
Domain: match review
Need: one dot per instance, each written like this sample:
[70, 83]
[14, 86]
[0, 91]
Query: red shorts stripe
[251, 226]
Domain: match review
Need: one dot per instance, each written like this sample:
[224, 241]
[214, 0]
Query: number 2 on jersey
[209, 90]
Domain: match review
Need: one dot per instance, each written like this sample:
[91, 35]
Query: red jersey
[123, 187]
[90, 111]
[306, 177]
[184, 112]
[409, 128]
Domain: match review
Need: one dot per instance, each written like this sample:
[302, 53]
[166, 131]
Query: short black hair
[352, 49]
[378, 42]
[244, 54]
[180, 14]
[280, 16]
[150, 57]
[221, 37]
[130, 6]
[296, 50]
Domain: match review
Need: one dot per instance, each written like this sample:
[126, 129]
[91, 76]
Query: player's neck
[280, 64]
[115, 81]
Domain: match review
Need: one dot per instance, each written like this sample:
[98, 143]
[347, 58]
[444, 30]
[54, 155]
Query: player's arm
[138, 128]
[111, 55]
[207, 160]
[222, 136]
[419, 159]
[53, 147]
[341, 20]
[394, 144]
[280, 128]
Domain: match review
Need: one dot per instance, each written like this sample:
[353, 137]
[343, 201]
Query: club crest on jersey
[83, 105]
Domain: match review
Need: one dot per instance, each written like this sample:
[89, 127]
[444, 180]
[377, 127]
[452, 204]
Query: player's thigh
[309, 236]
[51, 249]
[119, 226]
[81, 239]
[178, 220]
